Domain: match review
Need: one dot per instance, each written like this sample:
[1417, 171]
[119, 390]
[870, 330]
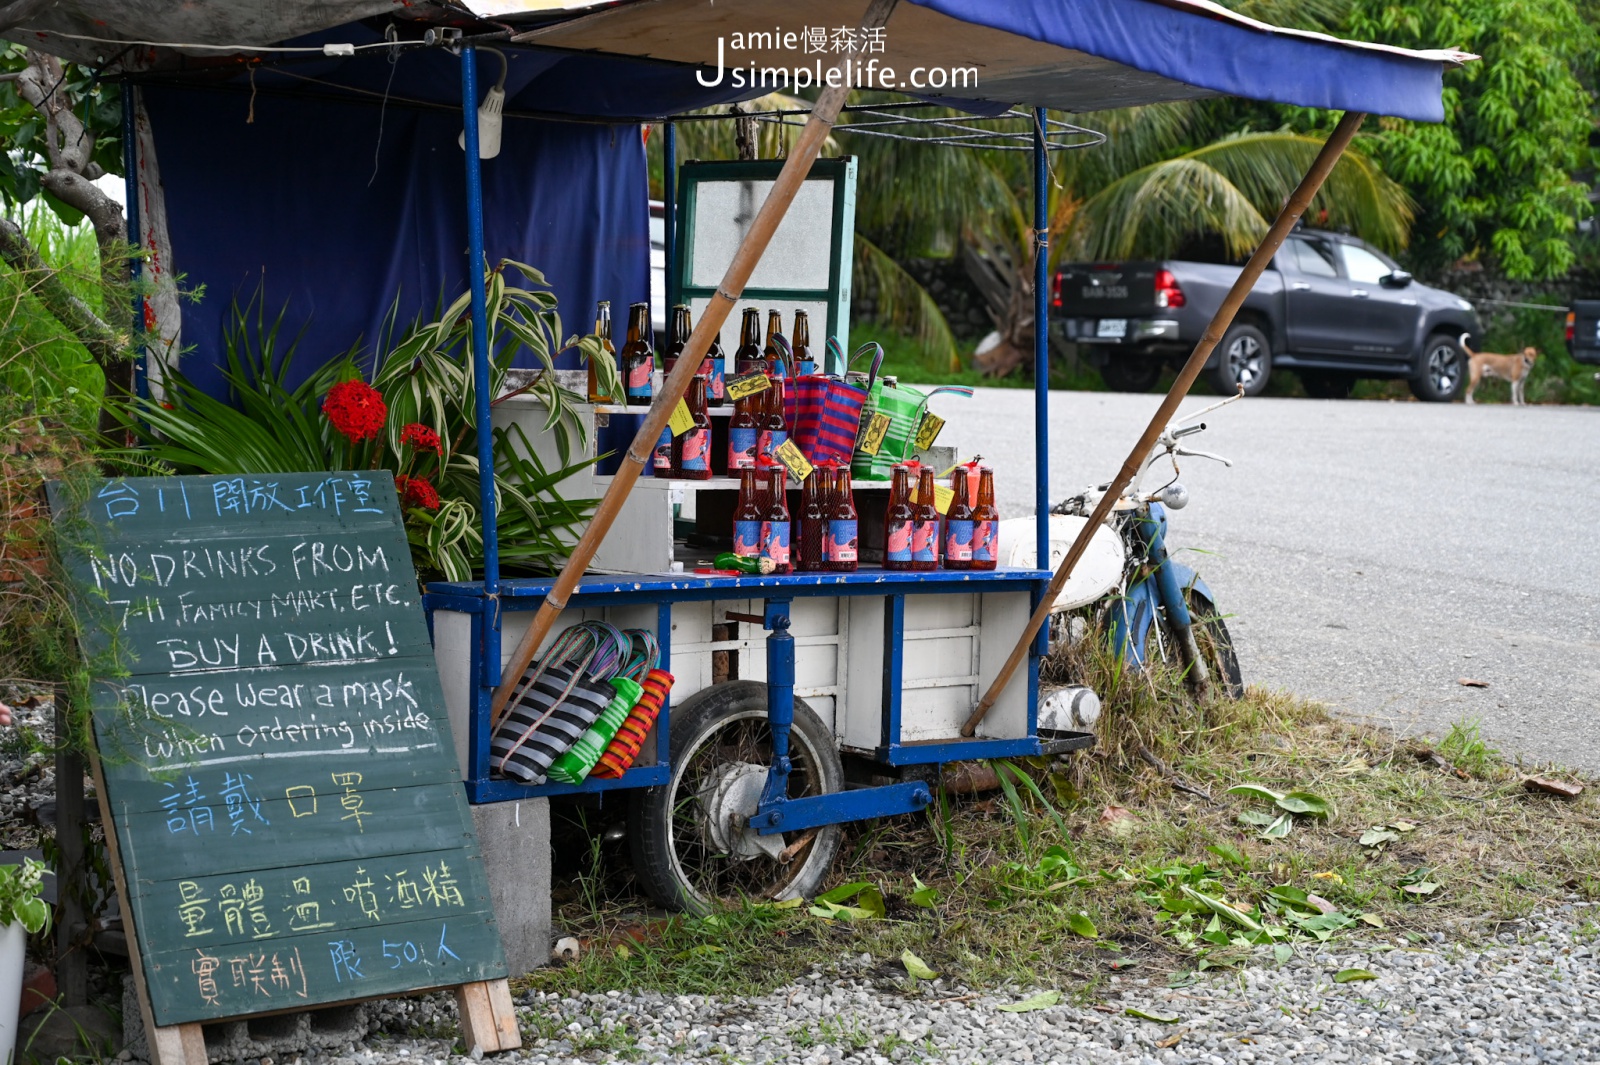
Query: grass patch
[1095, 866]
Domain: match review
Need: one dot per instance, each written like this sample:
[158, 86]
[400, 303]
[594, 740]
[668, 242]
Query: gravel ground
[1532, 996]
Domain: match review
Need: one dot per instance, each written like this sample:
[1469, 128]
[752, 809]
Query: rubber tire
[1427, 386]
[1223, 375]
[648, 835]
[1321, 384]
[1131, 374]
[1216, 643]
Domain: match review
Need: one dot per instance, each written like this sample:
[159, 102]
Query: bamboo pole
[1298, 202]
[795, 170]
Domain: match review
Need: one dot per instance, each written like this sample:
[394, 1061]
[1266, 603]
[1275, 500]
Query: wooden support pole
[795, 170]
[1321, 167]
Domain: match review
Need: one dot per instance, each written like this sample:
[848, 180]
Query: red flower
[356, 409]
[416, 492]
[421, 437]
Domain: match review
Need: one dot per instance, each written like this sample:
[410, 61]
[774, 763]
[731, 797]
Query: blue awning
[1075, 55]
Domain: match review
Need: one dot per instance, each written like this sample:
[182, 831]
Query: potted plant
[22, 913]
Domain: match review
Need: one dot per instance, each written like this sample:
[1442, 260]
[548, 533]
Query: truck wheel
[1327, 385]
[1131, 374]
[691, 849]
[1443, 370]
[1243, 358]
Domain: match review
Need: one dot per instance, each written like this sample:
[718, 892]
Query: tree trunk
[70, 150]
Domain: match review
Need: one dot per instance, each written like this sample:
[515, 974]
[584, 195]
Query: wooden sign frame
[427, 798]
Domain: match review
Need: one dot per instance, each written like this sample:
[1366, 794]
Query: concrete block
[515, 839]
[279, 1036]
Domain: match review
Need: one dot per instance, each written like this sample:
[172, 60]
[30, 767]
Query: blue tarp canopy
[333, 185]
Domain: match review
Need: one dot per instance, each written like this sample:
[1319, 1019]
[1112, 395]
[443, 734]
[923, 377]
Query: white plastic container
[13, 956]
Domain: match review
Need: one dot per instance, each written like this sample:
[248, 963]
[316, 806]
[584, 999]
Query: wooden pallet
[488, 1018]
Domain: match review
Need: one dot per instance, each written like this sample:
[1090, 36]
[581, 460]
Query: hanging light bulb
[490, 114]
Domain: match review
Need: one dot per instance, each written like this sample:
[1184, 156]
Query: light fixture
[490, 116]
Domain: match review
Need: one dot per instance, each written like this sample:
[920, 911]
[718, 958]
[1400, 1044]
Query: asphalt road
[1370, 554]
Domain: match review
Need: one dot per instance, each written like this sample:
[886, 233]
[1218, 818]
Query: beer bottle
[775, 523]
[925, 530]
[744, 433]
[958, 524]
[747, 516]
[898, 520]
[843, 527]
[637, 358]
[693, 448]
[677, 336]
[714, 366]
[770, 350]
[747, 358]
[773, 429]
[814, 507]
[985, 523]
[803, 362]
[602, 329]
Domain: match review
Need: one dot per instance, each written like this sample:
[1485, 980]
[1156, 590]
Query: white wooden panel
[940, 611]
[935, 713]
[862, 722]
[1005, 616]
[814, 617]
[816, 665]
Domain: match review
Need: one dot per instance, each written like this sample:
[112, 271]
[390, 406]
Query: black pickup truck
[1331, 308]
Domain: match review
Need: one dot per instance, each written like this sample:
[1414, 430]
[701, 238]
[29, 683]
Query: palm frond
[902, 303]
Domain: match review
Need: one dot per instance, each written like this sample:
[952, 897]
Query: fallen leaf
[1282, 952]
[1377, 836]
[1553, 787]
[1468, 682]
[1228, 852]
[1171, 1040]
[1333, 878]
[844, 892]
[1345, 976]
[1101, 1007]
[1258, 818]
[1256, 791]
[1081, 924]
[924, 896]
[1421, 887]
[1372, 919]
[915, 966]
[1146, 1016]
[1042, 1001]
[1119, 820]
[1303, 802]
[1402, 826]
[1279, 828]
[788, 904]
[1321, 903]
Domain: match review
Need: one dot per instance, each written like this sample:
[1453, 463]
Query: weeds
[1465, 747]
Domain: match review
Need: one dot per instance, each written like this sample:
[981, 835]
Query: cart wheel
[691, 849]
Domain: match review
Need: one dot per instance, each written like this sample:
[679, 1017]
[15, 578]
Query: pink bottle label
[742, 445]
[925, 541]
[747, 538]
[661, 458]
[775, 541]
[840, 543]
[696, 450]
[639, 380]
[897, 542]
[983, 541]
[958, 541]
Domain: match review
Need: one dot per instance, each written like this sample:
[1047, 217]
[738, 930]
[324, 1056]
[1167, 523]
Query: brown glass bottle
[844, 529]
[925, 527]
[800, 342]
[677, 336]
[898, 520]
[769, 350]
[691, 452]
[774, 431]
[958, 524]
[744, 432]
[717, 359]
[985, 523]
[602, 329]
[637, 360]
[775, 523]
[747, 357]
[814, 507]
[747, 516]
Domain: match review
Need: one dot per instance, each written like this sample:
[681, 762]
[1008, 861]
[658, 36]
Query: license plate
[1116, 328]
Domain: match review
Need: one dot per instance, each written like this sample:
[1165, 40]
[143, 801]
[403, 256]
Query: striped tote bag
[547, 717]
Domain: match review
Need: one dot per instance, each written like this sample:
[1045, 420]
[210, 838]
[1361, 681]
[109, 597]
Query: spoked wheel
[1216, 645]
[692, 848]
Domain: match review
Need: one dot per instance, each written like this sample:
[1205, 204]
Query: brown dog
[1511, 368]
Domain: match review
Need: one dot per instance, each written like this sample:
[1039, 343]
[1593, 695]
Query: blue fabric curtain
[334, 210]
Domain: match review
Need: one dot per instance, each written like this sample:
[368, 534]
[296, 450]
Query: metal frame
[485, 601]
[842, 172]
[518, 595]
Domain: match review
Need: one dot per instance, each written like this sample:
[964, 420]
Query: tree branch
[73, 314]
[19, 11]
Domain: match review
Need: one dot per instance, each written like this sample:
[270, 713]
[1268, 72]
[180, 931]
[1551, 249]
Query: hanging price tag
[870, 441]
[943, 496]
[793, 459]
[928, 430]
[748, 384]
[681, 421]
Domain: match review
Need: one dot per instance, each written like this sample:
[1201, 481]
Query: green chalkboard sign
[278, 766]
